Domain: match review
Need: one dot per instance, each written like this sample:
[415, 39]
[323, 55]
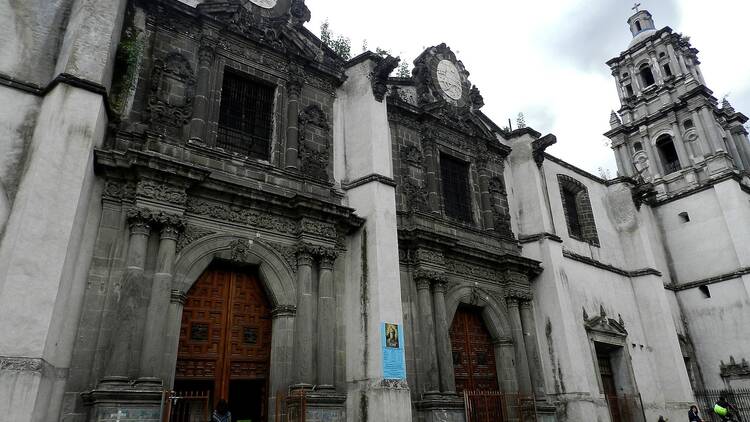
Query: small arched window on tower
[647, 75]
[579, 215]
[629, 90]
[638, 26]
[668, 154]
[637, 147]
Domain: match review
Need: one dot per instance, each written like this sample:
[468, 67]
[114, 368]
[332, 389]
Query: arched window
[668, 154]
[579, 215]
[637, 147]
[667, 70]
[629, 90]
[688, 124]
[646, 75]
[638, 25]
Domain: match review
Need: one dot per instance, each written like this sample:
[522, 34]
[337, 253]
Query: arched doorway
[225, 341]
[473, 352]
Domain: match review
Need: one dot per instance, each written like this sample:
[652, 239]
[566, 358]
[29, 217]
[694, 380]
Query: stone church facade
[204, 197]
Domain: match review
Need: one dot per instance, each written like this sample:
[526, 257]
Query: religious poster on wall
[392, 339]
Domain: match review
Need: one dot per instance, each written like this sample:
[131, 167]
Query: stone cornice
[530, 238]
[611, 268]
[368, 179]
[739, 272]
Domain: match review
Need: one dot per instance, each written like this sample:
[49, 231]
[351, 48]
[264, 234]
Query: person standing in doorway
[221, 413]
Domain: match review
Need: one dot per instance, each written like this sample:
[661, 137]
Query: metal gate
[740, 398]
[495, 406]
[186, 406]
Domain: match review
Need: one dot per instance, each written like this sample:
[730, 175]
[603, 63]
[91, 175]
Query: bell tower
[670, 130]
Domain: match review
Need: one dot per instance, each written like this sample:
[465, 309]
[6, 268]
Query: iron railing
[740, 398]
[496, 406]
[186, 406]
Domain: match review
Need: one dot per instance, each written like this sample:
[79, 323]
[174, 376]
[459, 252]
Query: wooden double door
[225, 342]
[473, 353]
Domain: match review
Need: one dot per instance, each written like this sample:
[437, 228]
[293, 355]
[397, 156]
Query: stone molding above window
[579, 216]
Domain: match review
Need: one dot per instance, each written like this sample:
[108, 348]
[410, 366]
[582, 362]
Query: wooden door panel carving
[225, 333]
[473, 353]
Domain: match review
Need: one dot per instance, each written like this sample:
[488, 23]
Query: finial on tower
[614, 120]
[637, 5]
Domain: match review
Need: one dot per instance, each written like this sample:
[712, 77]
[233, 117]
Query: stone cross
[637, 5]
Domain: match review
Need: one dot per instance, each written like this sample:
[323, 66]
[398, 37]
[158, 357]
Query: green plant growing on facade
[127, 61]
[340, 44]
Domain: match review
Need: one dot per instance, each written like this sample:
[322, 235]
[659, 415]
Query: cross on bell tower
[670, 130]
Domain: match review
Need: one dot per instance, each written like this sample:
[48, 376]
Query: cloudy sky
[545, 58]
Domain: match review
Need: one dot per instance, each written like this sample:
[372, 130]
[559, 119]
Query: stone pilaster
[293, 91]
[522, 365]
[128, 331]
[427, 331]
[484, 192]
[304, 328]
[702, 135]
[653, 158]
[532, 348]
[711, 131]
[158, 309]
[679, 144]
[281, 353]
[431, 164]
[206, 56]
[326, 320]
[177, 300]
[442, 337]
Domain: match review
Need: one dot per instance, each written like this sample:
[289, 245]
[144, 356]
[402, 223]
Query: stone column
[443, 341]
[484, 192]
[172, 339]
[326, 320]
[427, 329]
[739, 134]
[710, 129]
[304, 327]
[702, 135]
[673, 59]
[679, 144]
[532, 348]
[158, 307]
[522, 364]
[127, 332]
[206, 55]
[281, 353]
[293, 91]
[506, 369]
[653, 158]
[431, 162]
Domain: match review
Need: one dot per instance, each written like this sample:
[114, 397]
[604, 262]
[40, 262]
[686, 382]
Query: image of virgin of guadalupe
[391, 336]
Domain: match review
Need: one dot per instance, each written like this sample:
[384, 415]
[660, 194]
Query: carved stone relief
[415, 196]
[170, 101]
[314, 150]
[161, 192]
[190, 235]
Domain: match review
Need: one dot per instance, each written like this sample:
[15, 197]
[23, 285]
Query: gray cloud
[596, 31]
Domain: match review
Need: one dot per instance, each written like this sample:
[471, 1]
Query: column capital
[512, 302]
[423, 283]
[296, 81]
[440, 286]
[206, 51]
[305, 254]
[177, 296]
[139, 220]
[282, 311]
[524, 304]
[171, 225]
[326, 256]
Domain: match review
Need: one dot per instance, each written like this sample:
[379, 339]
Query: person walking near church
[693, 415]
[222, 413]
